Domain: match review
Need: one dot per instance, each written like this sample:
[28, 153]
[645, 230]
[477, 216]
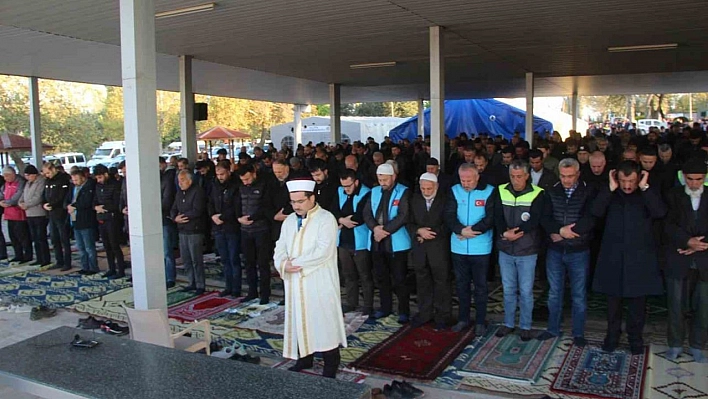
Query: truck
[106, 152]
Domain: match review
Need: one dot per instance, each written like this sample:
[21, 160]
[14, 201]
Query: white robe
[313, 310]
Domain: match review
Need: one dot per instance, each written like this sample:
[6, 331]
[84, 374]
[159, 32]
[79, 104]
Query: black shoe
[461, 325]
[225, 293]
[108, 274]
[66, 268]
[37, 264]
[117, 276]
[302, 364]
[250, 297]
[13, 260]
[503, 331]
[281, 303]
[545, 336]
[409, 390]
[609, 346]
[394, 392]
[636, 349]
[188, 288]
[246, 358]
[170, 284]
[42, 312]
[580, 342]
[199, 291]
[347, 308]
[82, 272]
[526, 335]
[89, 324]
[265, 300]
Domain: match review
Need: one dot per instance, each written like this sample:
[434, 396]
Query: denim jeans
[229, 246]
[86, 242]
[577, 265]
[169, 242]
[517, 274]
[471, 269]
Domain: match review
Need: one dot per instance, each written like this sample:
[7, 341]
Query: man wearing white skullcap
[431, 253]
[386, 214]
[306, 258]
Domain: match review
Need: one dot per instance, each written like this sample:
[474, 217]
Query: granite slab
[120, 368]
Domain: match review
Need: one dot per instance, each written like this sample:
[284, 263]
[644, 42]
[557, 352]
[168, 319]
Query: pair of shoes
[526, 335]
[403, 318]
[461, 325]
[54, 267]
[199, 291]
[170, 284]
[579, 341]
[66, 268]
[246, 358]
[402, 389]
[188, 288]
[89, 323]
[37, 264]
[544, 336]
[265, 300]
[82, 272]
[302, 364]
[224, 293]
[503, 331]
[114, 328]
[42, 312]
[108, 274]
[480, 330]
[117, 276]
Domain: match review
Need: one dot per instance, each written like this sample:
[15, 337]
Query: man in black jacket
[568, 224]
[227, 232]
[169, 228]
[83, 218]
[326, 187]
[540, 176]
[106, 202]
[686, 272]
[57, 193]
[188, 212]
[255, 210]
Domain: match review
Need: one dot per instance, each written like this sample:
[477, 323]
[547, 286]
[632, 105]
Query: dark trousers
[388, 268]
[229, 247]
[684, 295]
[3, 246]
[331, 358]
[110, 236]
[432, 278]
[356, 269]
[636, 317]
[60, 233]
[20, 238]
[38, 232]
[469, 269]
[256, 246]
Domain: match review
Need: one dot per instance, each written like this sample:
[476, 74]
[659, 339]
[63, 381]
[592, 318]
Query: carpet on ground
[416, 353]
[201, 307]
[10, 269]
[57, 291]
[273, 321]
[316, 370]
[682, 378]
[110, 306]
[590, 371]
[510, 358]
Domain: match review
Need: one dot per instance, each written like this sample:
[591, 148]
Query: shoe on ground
[503, 331]
[117, 276]
[89, 324]
[544, 336]
[246, 358]
[264, 301]
[480, 330]
[108, 274]
[82, 272]
[609, 346]
[16, 260]
[418, 322]
[390, 391]
[170, 284]
[224, 293]
[200, 291]
[37, 264]
[302, 365]
[42, 312]
[580, 342]
[66, 268]
[379, 315]
[403, 318]
[461, 325]
[526, 335]
[250, 297]
[408, 389]
[347, 308]
[188, 288]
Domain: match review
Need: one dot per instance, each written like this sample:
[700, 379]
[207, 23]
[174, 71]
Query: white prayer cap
[385, 169]
[301, 185]
[429, 177]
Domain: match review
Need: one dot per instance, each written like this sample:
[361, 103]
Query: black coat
[548, 179]
[191, 203]
[627, 265]
[681, 225]
[436, 250]
[167, 192]
[85, 213]
[57, 193]
[222, 201]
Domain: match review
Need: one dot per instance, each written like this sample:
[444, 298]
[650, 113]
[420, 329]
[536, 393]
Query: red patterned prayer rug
[201, 307]
[590, 371]
[418, 353]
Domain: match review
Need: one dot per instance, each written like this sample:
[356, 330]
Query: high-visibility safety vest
[516, 211]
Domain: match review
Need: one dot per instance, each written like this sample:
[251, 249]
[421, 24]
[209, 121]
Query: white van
[107, 150]
[69, 159]
[643, 125]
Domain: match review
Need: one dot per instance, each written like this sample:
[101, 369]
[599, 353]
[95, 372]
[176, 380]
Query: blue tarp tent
[474, 116]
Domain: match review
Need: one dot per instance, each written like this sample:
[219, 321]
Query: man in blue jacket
[568, 224]
[469, 214]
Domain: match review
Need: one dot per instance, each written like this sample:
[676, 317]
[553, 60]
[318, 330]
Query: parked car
[69, 159]
[643, 125]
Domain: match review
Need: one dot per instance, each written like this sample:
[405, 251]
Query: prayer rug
[510, 358]
[110, 306]
[201, 307]
[418, 353]
[590, 371]
[10, 269]
[57, 291]
[682, 378]
[273, 321]
[316, 370]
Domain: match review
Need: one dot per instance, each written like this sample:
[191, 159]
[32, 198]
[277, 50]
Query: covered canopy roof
[222, 133]
[289, 51]
[14, 142]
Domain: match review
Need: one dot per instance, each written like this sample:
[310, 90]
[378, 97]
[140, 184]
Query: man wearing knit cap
[306, 258]
[431, 249]
[686, 271]
[386, 214]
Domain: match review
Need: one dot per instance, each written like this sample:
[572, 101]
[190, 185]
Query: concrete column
[297, 129]
[421, 118]
[35, 125]
[574, 110]
[437, 96]
[335, 111]
[188, 132]
[529, 108]
[142, 143]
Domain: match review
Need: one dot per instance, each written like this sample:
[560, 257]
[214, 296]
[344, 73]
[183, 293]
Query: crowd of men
[622, 214]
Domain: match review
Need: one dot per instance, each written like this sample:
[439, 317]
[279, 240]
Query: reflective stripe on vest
[508, 199]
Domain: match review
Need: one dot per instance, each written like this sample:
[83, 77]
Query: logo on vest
[396, 202]
[525, 216]
[479, 203]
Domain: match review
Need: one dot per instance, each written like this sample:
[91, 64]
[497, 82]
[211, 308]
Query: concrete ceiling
[282, 50]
